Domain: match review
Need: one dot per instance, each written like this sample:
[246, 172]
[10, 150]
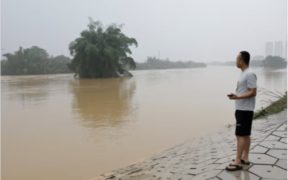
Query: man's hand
[232, 96]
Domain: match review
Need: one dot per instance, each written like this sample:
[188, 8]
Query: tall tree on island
[102, 52]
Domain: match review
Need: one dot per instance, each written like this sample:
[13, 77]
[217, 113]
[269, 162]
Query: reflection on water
[57, 127]
[25, 89]
[105, 102]
[32, 89]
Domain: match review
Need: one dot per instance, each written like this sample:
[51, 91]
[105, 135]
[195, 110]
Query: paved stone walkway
[206, 157]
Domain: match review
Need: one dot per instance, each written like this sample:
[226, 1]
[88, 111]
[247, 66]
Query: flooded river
[55, 127]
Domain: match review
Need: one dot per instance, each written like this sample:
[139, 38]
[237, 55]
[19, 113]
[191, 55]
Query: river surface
[55, 127]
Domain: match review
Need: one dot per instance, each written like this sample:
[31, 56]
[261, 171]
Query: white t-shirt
[247, 80]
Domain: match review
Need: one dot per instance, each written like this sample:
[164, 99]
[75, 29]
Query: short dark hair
[245, 56]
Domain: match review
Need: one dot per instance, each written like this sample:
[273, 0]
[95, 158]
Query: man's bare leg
[245, 153]
[240, 149]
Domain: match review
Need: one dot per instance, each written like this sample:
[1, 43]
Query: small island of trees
[102, 52]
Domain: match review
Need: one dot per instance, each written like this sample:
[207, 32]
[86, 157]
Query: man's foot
[233, 167]
[245, 162]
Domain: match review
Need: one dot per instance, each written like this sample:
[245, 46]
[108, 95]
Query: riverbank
[207, 156]
[275, 107]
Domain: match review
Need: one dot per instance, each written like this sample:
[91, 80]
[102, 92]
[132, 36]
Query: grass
[275, 107]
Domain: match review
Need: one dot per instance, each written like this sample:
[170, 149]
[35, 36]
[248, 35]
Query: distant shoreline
[208, 64]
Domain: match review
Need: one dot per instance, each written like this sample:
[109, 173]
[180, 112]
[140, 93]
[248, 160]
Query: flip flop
[236, 167]
[243, 162]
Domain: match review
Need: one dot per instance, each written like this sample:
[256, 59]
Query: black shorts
[243, 122]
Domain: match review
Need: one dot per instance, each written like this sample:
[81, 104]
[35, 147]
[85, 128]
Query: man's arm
[250, 93]
[252, 88]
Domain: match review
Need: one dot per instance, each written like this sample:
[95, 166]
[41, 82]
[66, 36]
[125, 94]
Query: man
[244, 103]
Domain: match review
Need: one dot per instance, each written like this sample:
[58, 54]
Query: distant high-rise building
[269, 49]
[279, 48]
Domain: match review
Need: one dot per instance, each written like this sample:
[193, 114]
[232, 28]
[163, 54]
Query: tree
[101, 52]
[58, 64]
[34, 60]
[24, 61]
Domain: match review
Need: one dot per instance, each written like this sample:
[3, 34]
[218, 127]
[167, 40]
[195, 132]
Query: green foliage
[58, 64]
[101, 52]
[33, 60]
[154, 63]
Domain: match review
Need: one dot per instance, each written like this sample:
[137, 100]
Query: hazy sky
[198, 30]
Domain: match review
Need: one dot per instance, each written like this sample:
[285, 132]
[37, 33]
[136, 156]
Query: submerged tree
[102, 52]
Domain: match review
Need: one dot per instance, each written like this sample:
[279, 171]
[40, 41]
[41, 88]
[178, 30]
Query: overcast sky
[198, 30]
